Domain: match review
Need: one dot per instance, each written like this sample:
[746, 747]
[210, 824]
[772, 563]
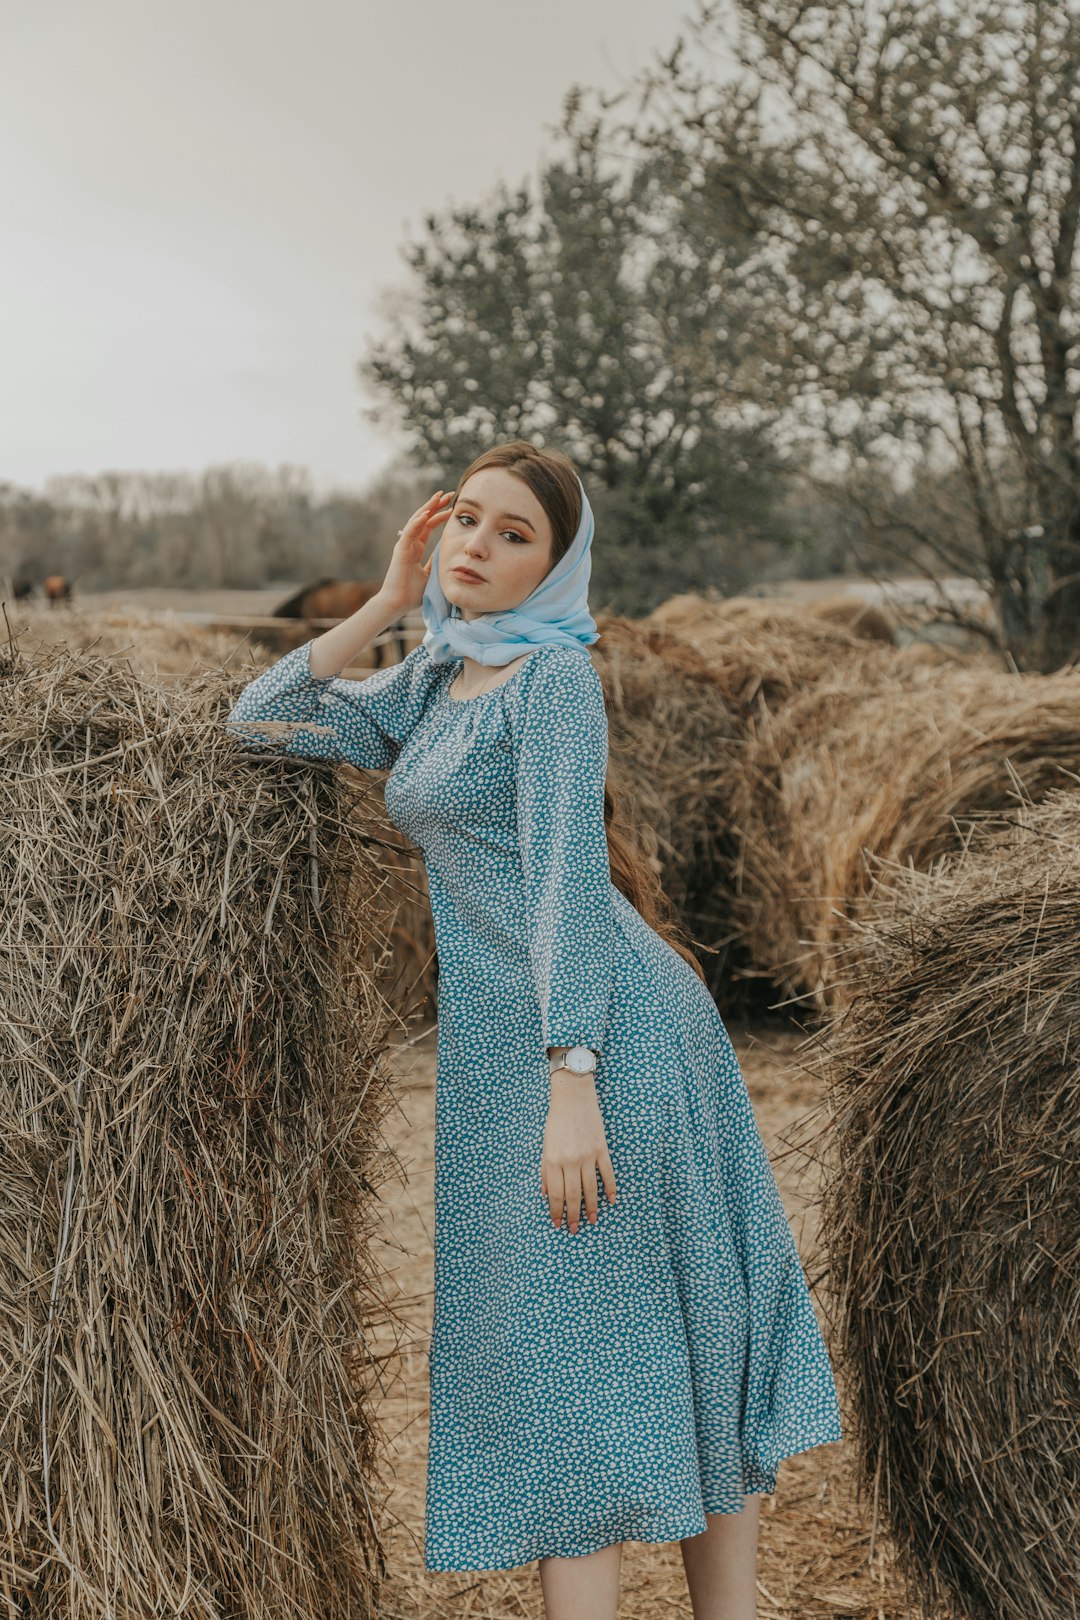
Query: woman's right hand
[407, 575]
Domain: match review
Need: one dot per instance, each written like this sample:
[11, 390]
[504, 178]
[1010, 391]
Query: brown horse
[337, 599]
[57, 589]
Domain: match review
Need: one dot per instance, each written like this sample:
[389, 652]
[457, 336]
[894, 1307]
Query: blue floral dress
[619, 1382]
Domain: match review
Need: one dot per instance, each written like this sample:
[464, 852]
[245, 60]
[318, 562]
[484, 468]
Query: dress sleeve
[560, 744]
[360, 723]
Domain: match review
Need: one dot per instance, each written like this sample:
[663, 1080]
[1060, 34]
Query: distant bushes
[236, 526]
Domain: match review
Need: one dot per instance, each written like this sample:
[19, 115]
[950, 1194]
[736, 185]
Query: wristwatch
[578, 1059]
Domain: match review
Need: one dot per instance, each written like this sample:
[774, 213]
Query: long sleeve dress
[619, 1382]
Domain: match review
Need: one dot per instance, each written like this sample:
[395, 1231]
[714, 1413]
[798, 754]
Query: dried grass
[762, 653]
[158, 644]
[895, 768]
[952, 1215]
[191, 1083]
[864, 619]
[673, 753]
[841, 750]
[165, 647]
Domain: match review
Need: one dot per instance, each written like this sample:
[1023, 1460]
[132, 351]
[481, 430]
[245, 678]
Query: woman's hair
[553, 479]
[550, 475]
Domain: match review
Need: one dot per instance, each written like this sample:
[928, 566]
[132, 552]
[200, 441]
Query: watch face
[580, 1059]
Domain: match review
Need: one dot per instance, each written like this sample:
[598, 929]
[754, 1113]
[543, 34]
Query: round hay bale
[412, 962]
[894, 767]
[191, 1081]
[762, 653]
[161, 645]
[951, 1215]
[671, 764]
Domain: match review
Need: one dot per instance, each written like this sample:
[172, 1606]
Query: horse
[56, 588]
[337, 599]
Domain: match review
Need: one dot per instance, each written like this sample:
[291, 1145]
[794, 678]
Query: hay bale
[166, 647]
[894, 767]
[159, 644]
[671, 766]
[412, 962]
[190, 1089]
[951, 1215]
[764, 652]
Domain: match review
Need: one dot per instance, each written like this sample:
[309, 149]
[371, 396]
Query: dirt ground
[820, 1556]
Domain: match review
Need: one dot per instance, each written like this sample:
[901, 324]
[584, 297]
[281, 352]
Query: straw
[952, 1214]
[191, 1081]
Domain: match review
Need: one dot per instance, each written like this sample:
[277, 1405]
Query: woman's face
[499, 530]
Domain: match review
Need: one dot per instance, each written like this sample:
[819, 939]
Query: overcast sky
[200, 202]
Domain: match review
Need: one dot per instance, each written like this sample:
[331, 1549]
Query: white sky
[199, 203]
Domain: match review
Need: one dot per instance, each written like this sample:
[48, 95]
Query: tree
[911, 172]
[587, 318]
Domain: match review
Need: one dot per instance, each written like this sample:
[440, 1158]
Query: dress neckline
[491, 689]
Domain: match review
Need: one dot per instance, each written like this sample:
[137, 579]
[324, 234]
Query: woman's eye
[519, 538]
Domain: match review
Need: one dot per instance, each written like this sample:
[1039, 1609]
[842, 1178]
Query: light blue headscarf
[556, 611]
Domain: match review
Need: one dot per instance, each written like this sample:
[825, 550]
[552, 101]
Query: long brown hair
[553, 479]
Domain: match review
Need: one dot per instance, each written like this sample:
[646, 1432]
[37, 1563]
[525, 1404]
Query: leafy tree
[586, 317]
[911, 172]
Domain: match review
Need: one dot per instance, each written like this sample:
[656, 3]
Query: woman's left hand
[574, 1148]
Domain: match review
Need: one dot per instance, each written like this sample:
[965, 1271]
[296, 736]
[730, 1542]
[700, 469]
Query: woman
[637, 1375]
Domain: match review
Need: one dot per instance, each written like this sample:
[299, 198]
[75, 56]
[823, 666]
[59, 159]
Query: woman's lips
[467, 573]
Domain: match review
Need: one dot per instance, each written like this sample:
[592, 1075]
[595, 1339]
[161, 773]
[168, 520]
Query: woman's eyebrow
[513, 516]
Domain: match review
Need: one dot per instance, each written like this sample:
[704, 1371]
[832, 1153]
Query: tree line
[237, 526]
